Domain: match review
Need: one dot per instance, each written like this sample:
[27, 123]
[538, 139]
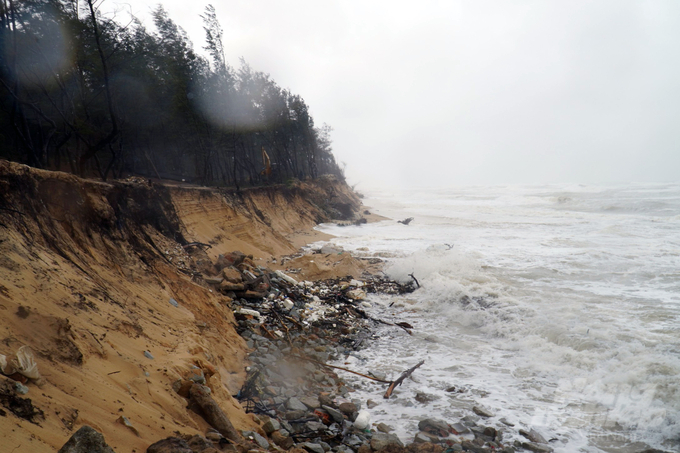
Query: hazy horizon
[453, 93]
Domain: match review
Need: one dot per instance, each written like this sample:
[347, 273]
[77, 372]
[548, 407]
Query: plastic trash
[362, 420]
[25, 363]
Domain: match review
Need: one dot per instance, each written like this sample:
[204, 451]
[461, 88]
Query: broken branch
[403, 376]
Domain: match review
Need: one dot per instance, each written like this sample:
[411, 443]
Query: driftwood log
[200, 395]
[401, 378]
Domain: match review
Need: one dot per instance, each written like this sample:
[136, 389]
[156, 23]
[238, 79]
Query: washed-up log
[401, 378]
[343, 369]
[213, 414]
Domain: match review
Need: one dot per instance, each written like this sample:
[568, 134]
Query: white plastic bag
[25, 363]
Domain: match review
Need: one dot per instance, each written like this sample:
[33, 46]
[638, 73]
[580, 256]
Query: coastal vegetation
[86, 94]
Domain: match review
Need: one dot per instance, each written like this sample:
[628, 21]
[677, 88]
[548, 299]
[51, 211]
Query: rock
[506, 422]
[232, 275]
[255, 437]
[422, 437]
[271, 425]
[424, 398]
[20, 388]
[482, 412]
[199, 443]
[214, 436]
[470, 446]
[364, 449]
[87, 440]
[459, 428]
[126, 422]
[348, 408]
[230, 259]
[426, 447]
[381, 440]
[227, 286]
[371, 404]
[356, 294]
[148, 355]
[196, 375]
[173, 302]
[310, 401]
[213, 280]
[362, 420]
[314, 448]
[315, 426]
[537, 448]
[282, 441]
[328, 249]
[437, 427]
[170, 445]
[295, 415]
[383, 428]
[533, 436]
[295, 404]
[335, 414]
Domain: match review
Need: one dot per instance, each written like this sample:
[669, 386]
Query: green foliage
[122, 100]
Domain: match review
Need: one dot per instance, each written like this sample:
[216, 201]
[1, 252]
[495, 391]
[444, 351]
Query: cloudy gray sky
[465, 92]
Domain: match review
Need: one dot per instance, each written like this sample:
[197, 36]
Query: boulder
[229, 259]
[231, 274]
[381, 440]
[87, 440]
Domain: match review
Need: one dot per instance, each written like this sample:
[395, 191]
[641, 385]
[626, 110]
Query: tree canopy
[85, 94]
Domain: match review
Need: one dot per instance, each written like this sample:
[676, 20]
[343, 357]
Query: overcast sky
[470, 92]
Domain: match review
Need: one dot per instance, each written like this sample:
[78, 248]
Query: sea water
[555, 307]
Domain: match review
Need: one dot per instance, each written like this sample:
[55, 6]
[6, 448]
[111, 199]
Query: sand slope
[87, 273]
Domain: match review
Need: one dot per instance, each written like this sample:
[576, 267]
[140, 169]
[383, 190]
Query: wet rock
[148, 355]
[433, 426]
[335, 414]
[255, 437]
[471, 446]
[371, 404]
[506, 422]
[348, 408]
[381, 440]
[459, 428]
[533, 436]
[295, 415]
[424, 447]
[383, 428]
[364, 449]
[424, 398]
[315, 426]
[87, 440]
[271, 425]
[537, 448]
[423, 436]
[312, 447]
[295, 404]
[173, 302]
[482, 412]
[310, 401]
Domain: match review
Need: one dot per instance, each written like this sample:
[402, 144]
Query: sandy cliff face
[96, 279]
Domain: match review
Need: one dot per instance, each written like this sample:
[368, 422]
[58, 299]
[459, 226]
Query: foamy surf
[556, 307]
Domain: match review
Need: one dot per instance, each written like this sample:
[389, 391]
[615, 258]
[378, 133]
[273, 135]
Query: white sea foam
[557, 307]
